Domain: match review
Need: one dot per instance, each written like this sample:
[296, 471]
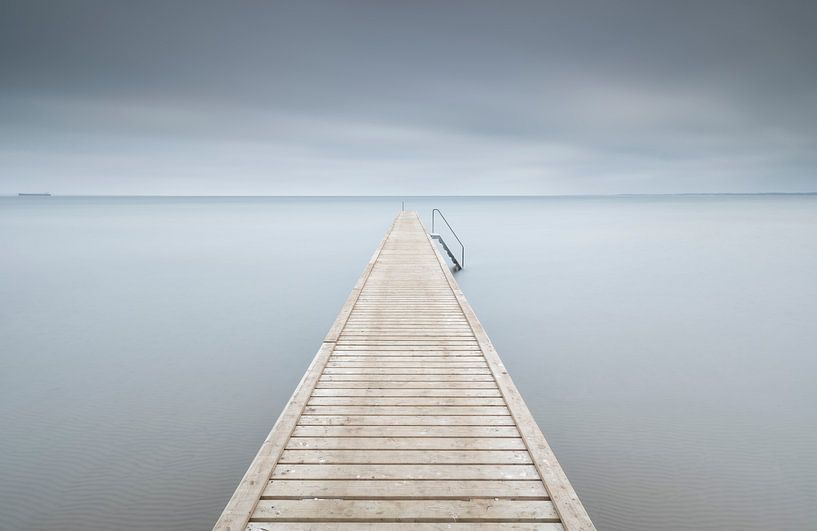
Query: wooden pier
[405, 419]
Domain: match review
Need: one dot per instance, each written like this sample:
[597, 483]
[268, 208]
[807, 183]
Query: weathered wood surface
[406, 418]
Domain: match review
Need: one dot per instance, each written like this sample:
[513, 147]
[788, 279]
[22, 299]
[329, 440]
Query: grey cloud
[414, 97]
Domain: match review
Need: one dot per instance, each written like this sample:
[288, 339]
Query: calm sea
[667, 347]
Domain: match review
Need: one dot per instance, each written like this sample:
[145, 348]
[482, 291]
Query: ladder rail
[459, 263]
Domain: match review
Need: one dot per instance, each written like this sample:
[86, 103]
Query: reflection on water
[664, 344]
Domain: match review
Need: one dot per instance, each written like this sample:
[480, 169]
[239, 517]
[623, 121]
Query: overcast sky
[408, 97]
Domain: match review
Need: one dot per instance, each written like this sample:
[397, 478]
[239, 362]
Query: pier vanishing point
[405, 419]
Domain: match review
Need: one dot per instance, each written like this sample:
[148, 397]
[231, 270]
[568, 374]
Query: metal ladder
[459, 261]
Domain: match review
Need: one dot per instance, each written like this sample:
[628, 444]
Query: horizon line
[49, 194]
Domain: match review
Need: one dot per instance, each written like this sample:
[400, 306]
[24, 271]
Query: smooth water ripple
[665, 345]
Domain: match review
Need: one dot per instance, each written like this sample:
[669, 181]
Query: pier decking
[406, 418]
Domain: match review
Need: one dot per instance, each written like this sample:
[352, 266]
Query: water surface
[665, 345]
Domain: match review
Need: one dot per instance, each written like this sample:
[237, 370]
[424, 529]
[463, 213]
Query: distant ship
[35, 195]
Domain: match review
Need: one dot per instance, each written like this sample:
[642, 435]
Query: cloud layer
[408, 97]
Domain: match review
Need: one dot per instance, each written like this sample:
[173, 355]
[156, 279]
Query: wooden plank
[321, 510]
[404, 489]
[405, 526]
[369, 471]
[441, 392]
[437, 401]
[421, 316]
[418, 336]
[403, 314]
[382, 320]
[385, 384]
[406, 336]
[406, 348]
[405, 431]
[407, 378]
[412, 330]
[398, 327]
[362, 332]
[388, 301]
[408, 443]
[439, 376]
[405, 333]
[340, 353]
[484, 457]
[398, 344]
[400, 303]
[395, 303]
[409, 364]
[408, 361]
[408, 326]
[406, 410]
[386, 373]
[374, 327]
[455, 313]
[394, 307]
[405, 420]
[427, 313]
[406, 370]
[369, 297]
[382, 324]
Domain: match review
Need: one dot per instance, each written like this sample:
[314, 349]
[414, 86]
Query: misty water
[665, 345]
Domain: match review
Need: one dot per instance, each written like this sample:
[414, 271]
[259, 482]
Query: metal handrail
[462, 246]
